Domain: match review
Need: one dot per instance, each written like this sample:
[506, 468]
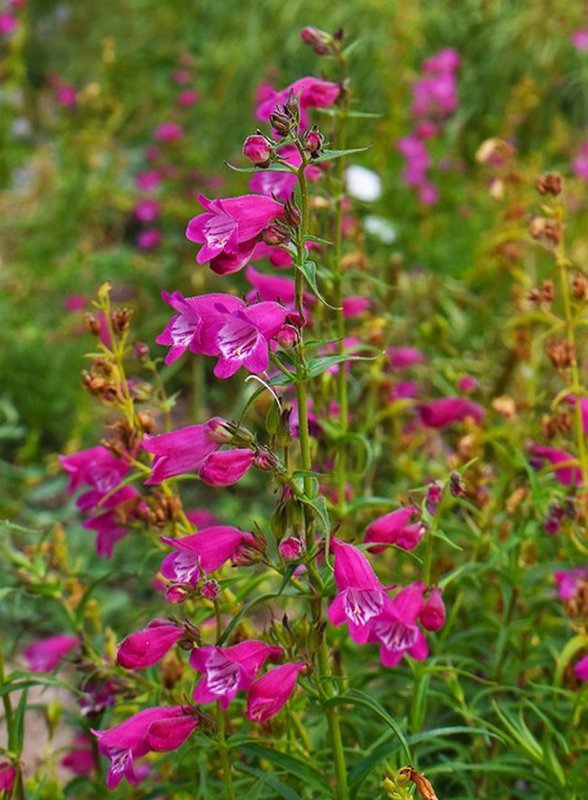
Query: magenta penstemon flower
[146, 647]
[564, 467]
[203, 552]
[396, 629]
[45, 654]
[271, 692]
[7, 777]
[230, 228]
[396, 528]
[313, 92]
[361, 597]
[449, 410]
[229, 670]
[158, 729]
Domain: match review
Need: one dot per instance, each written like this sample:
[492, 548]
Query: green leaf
[273, 168]
[306, 773]
[267, 777]
[309, 269]
[358, 698]
[17, 738]
[317, 366]
[330, 155]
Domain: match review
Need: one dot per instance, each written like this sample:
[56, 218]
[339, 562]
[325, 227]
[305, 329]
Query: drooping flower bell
[396, 629]
[396, 528]
[146, 647]
[45, 654]
[271, 692]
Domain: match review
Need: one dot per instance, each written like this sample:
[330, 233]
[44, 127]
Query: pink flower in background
[149, 239]
[157, 729]
[229, 229]
[433, 612]
[314, 93]
[146, 647]
[396, 528]
[567, 475]
[8, 24]
[75, 302]
[446, 60]
[291, 548]
[45, 654]
[467, 384]
[80, 759]
[108, 526]
[203, 552]
[395, 629]
[579, 39]
[202, 518]
[7, 777]
[184, 331]
[188, 97]
[449, 410]
[580, 162]
[280, 184]
[361, 597]
[583, 401]
[183, 450]
[168, 132]
[229, 670]
[404, 357]
[147, 210]
[149, 180]
[355, 306]
[181, 76]
[568, 581]
[271, 692]
[66, 95]
[581, 669]
[274, 288]
[404, 389]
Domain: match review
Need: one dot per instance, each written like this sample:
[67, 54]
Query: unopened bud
[456, 484]
[176, 594]
[546, 230]
[265, 460]
[210, 589]
[313, 141]
[291, 548]
[142, 351]
[258, 150]
[276, 234]
[320, 41]
[551, 183]
[287, 337]
[281, 123]
[291, 214]
[433, 613]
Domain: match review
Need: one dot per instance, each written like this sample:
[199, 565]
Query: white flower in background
[363, 184]
[380, 228]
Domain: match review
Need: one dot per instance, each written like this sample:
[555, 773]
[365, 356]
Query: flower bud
[281, 122]
[287, 337]
[291, 215]
[265, 460]
[210, 589]
[551, 183]
[176, 594]
[290, 548]
[433, 612]
[142, 351]
[276, 234]
[320, 41]
[313, 141]
[258, 150]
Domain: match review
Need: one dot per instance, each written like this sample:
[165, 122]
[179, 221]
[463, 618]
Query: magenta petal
[226, 467]
[271, 692]
[169, 734]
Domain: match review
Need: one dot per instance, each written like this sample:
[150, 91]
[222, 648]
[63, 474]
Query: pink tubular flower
[7, 777]
[274, 288]
[227, 467]
[66, 95]
[75, 302]
[183, 450]
[355, 306]
[202, 518]
[8, 24]
[229, 670]
[168, 132]
[395, 629]
[579, 39]
[581, 669]
[45, 654]
[361, 596]
[568, 582]
[98, 468]
[433, 613]
[314, 93]
[202, 552]
[147, 210]
[272, 691]
[394, 528]
[567, 475]
[229, 229]
[148, 239]
[157, 729]
[188, 97]
[449, 410]
[446, 60]
[80, 759]
[146, 647]
[148, 180]
[404, 357]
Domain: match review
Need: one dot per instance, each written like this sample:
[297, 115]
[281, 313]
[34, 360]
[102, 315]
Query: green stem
[220, 725]
[335, 737]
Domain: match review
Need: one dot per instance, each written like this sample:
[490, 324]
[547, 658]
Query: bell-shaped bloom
[242, 338]
[184, 330]
[404, 357]
[272, 691]
[227, 467]
[97, 468]
[229, 229]
[146, 647]
[183, 450]
[567, 474]
[274, 287]
[203, 552]
[568, 582]
[80, 759]
[313, 92]
[45, 654]
[157, 729]
[396, 629]
[581, 669]
[449, 410]
[228, 670]
[361, 596]
[433, 613]
[396, 528]
[108, 530]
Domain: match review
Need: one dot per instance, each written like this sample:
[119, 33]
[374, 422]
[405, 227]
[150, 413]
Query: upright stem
[220, 725]
[336, 739]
